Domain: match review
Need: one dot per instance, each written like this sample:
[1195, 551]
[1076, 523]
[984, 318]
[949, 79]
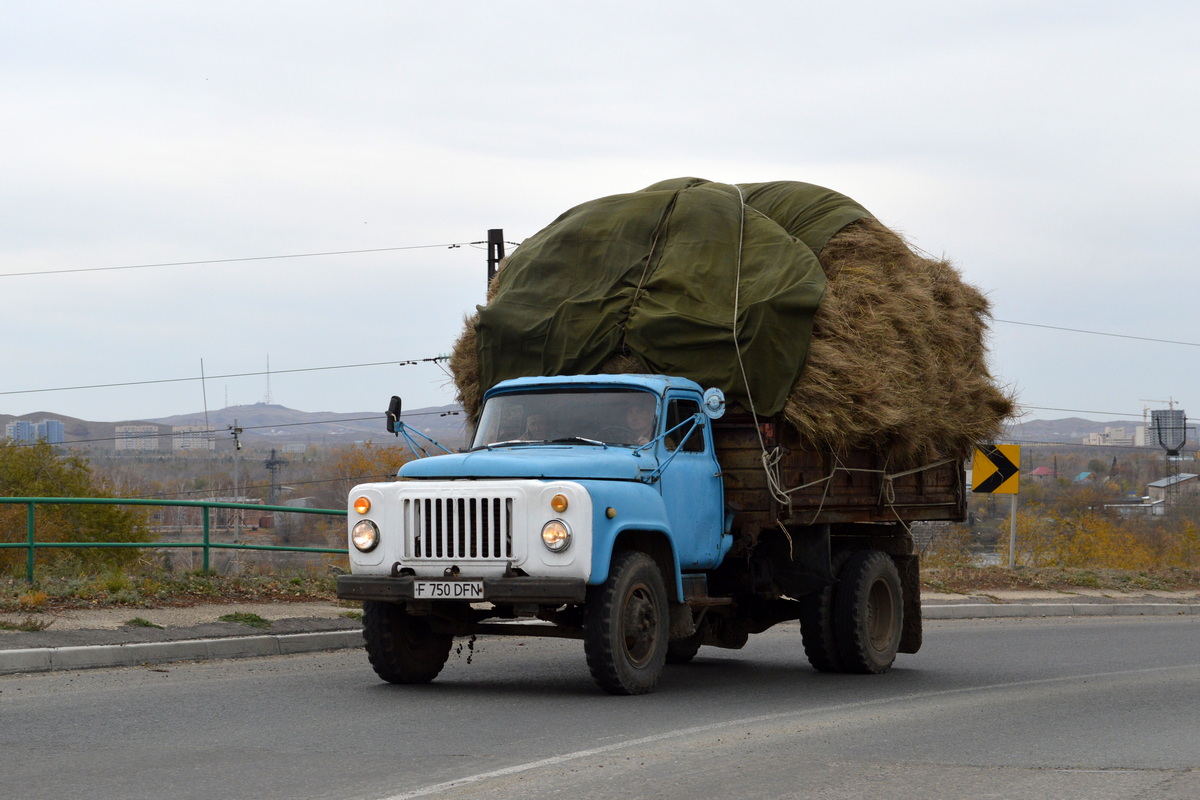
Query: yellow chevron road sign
[996, 469]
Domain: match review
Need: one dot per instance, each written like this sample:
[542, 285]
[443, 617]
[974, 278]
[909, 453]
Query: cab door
[691, 485]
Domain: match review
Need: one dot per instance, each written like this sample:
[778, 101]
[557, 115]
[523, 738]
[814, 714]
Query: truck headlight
[365, 535]
[556, 535]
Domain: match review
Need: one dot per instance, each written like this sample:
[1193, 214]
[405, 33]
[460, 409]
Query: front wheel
[627, 624]
[868, 613]
[400, 647]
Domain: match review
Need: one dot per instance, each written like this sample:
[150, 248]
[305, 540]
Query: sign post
[996, 469]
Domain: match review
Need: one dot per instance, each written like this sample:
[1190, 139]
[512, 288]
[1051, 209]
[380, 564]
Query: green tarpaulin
[658, 273]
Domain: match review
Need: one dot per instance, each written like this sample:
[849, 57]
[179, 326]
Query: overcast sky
[1050, 149]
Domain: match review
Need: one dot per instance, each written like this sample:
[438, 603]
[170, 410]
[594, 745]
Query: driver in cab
[639, 419]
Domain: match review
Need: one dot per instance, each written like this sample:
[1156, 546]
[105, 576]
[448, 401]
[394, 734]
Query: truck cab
[593, 503]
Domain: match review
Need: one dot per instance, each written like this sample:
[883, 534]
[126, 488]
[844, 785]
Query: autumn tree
[1090, 538]
[41, 471]
[363, 462]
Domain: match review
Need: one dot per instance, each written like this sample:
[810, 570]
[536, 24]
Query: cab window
[681, 411]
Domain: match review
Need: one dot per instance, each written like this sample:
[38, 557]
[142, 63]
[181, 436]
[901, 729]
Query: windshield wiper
[563, 440]
[507, 443]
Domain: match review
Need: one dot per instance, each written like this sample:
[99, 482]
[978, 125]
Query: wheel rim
[881, 616]
[639, 624]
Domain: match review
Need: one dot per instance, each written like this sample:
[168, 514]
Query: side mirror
[714, 403]
[393, 416]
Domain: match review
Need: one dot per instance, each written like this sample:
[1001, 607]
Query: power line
[404, 363]
[1097, 333]
[356, 478]
[439, 359]
[1082, 411]
[450, 245]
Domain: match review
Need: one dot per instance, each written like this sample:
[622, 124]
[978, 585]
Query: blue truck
[634, 513]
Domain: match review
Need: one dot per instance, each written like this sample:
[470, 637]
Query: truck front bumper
[540, 591]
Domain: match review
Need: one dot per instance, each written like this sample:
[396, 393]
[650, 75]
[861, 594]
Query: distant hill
[268, 425]
[1069, 429]
[265, 423]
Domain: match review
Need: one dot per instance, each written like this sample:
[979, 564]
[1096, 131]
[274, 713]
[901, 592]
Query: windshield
[620, 416]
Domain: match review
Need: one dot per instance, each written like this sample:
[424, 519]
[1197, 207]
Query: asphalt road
[1009, 708]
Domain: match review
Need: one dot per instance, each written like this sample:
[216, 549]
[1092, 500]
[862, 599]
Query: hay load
[790, 297]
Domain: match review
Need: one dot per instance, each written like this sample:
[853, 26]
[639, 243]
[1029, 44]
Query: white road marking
[468, 780]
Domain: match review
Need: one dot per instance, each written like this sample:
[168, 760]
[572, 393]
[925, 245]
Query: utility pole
[236, 431]
[273, 464]
[495, 244]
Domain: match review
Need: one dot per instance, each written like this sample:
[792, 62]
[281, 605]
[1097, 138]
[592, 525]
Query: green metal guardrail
[32, 545]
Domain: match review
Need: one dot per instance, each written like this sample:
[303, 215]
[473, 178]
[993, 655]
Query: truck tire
[403, 648]
[868, 613]
[626, 626]
[816, 625]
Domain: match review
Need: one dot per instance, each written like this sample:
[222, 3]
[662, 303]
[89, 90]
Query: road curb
[49, 659]
[999, 610]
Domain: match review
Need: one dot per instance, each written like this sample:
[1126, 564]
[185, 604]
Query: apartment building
[133, 438]
[192, 437]
[50, 430]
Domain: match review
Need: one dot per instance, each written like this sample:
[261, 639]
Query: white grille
[458, 528]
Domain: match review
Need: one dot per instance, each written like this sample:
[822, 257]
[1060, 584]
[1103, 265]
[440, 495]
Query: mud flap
[910, 582]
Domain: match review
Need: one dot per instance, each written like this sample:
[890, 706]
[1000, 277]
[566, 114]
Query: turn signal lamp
[559, 503]
[362, 505]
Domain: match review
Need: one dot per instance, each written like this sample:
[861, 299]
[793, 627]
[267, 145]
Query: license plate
[448, 590]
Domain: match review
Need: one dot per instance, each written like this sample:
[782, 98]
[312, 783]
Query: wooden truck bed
[847, 488]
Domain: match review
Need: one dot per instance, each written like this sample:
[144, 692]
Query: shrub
[948, 546]
[41, 471]
[1090, 539]
[32, 600]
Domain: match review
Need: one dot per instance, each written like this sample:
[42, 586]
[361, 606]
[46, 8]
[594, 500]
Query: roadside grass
[164, 590]
[27, 625]
[158, 589]
[246, 618]
[32, 600]
[968, 579]
[141, 622]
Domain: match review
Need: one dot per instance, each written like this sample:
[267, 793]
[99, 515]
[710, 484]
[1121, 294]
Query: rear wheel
[816, 626]
[400, 647]
[868, 612]
[626, 628]
[816, 631]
